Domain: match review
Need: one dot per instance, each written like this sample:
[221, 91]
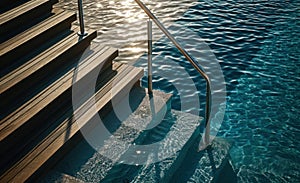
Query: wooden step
[23, 122]
[39, 69]
[23, 16]
[125, 77]
[31, 39]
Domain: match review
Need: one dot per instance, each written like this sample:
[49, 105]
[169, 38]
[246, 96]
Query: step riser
[19, 52]
[9, 4]
[12, 28]
[41, 76]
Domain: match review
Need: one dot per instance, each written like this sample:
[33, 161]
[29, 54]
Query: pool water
[256, 43]
[258, 46]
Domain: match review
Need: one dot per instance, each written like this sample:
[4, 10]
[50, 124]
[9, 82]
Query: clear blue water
[257, 44]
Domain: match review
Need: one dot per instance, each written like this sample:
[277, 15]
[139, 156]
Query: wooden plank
[37, 62]
[6, 5]
[34, 32]
[14, 13]
[39, 70]
[37, 100]
[34, 100]
[55, 92]
[19, 19]
[27, 41]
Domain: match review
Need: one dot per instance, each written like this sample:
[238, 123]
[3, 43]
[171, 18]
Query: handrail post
[206, 136]
[149, 30]
[81, 23]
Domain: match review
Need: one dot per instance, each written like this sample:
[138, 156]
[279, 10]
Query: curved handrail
[194, 64]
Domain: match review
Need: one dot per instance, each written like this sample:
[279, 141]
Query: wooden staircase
[39, 53]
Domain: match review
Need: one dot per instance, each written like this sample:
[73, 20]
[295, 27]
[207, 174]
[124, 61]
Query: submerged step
[126, 162]
[177, 143]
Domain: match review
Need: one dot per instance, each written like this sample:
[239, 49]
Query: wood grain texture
[30, 39]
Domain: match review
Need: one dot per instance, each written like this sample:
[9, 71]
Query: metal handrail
[81, 22]
[206, 139]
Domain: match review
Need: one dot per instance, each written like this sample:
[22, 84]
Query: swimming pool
[257, 46]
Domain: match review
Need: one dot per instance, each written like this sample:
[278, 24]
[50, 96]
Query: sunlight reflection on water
[122, 24]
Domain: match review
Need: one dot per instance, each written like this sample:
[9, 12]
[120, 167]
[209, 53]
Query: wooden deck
[39, 52]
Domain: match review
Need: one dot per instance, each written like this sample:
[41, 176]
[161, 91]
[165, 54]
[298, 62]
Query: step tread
[33, 32]
[42, 152]
[17, 118]
[17, 11]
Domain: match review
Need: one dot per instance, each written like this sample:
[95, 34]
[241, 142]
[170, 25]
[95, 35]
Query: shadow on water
[227, 174]
[210, 165]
